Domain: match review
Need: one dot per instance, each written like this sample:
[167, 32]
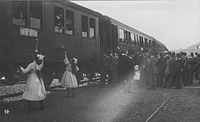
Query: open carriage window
[69, 22]
[128, 37]
[150, 43]
[35, 14]
[19, 15]
[125, 35]
[92, 28]
[141, 41]
[84, 26]
[121, 34]
[146, 42]
[132, 38]
[59, 20]
[135, 43]
[137, 40]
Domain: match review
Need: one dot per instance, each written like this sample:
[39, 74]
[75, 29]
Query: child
[136, 78]
[134, 83]
[69, 80]
[35, 89]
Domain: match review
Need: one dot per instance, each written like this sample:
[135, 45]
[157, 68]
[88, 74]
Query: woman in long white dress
[35, 89]
[69, 80]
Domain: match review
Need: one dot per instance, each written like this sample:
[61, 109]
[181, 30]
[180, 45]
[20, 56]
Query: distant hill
[193, 48]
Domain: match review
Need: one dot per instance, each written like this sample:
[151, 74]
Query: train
[54, 26]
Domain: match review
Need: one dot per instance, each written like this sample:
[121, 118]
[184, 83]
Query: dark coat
[161, 65]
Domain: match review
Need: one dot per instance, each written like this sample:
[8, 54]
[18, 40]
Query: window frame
[28, 15]
[146, 42]
[125, 36]
[41, 19]
[150, 42]
[142, 41]
[90, 18]
[82, 26]
[26, 25]
[132, 38]
[137, 39]
[65, 27]
[121, 32]
[128, 37]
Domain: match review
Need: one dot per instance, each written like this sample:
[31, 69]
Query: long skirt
[69, 80]
[35, 89]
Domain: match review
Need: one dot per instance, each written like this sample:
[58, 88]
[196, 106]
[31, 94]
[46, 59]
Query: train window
[125, 35]
[141, 41]
[59, 20]
[35, 14]
[137, 40]
[19, 15]
[84, 26]
[121, 34]
[128, 37]
[132, 37]
[69, 22]
[146, 42]
[92, 28]
[149, 42]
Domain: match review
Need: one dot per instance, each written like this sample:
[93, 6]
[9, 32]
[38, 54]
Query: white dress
[35, 89]
[137, 75]
[68, 79]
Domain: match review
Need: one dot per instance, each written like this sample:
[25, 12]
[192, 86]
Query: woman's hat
[75, 60]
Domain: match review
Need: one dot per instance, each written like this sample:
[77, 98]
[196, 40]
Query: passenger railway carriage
[50, 26]
[126, 37]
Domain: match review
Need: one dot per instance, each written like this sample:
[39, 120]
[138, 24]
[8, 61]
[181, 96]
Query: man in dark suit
[161, 65]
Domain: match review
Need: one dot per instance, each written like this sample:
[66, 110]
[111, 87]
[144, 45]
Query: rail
[156, 111]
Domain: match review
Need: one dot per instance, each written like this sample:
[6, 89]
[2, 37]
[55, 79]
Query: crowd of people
[163, 69]
[141, 69]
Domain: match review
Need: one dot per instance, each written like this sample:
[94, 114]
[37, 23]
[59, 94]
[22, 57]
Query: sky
[175, 23]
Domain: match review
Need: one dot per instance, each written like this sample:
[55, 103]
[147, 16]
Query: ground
[111, 104]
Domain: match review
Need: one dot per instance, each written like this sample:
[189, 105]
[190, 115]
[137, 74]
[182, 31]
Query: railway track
[157, 110]
[179, 106]
[163, 113]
